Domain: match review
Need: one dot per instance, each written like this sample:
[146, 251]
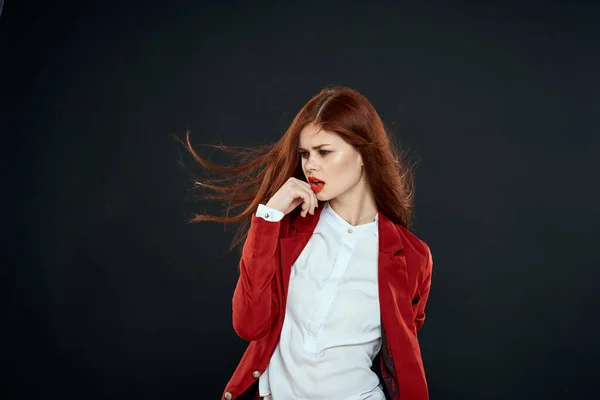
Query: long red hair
[262, 171]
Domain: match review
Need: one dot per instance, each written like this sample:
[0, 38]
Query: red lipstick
[316, 184]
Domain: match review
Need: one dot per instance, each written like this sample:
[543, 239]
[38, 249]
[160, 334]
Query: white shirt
[331, 331]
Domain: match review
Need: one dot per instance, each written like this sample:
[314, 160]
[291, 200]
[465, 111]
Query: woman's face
[327, 157]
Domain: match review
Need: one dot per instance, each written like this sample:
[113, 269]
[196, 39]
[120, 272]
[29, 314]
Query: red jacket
[259, 302]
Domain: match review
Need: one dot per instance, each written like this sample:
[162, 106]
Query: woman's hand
[292, 193]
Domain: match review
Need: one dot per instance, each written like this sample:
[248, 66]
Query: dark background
[109, 294]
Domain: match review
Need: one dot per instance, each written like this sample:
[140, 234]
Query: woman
[332, 287]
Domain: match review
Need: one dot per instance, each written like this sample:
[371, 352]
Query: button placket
[330, 287]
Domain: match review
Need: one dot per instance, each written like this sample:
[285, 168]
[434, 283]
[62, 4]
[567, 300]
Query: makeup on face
[316, 184]
[331, 166]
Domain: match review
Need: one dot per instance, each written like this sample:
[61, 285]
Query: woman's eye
[304, 154]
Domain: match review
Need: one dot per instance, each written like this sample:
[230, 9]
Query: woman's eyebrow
[315, 147]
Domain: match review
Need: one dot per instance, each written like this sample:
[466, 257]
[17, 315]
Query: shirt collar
[339, 224]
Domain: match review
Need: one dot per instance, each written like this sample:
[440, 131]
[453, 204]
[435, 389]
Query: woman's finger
[307, 195]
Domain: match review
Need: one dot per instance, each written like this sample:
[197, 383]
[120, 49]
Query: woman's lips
[316, 184]
[316, 187]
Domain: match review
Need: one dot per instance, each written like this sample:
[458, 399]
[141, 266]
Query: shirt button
[228, 396]
[350, 230]
[267, 215]
[256, 374]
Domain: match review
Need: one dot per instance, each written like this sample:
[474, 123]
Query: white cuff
[269, 214]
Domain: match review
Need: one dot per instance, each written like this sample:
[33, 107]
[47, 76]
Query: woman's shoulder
[413, 242]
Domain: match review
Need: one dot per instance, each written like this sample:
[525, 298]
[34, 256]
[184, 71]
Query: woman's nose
[310, 164]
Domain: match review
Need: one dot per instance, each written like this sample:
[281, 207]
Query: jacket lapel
[400, 344]
[394, 296]
[292, 245]
[392, 261]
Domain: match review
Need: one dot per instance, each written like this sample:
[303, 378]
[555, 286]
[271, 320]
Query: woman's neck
[357, 206]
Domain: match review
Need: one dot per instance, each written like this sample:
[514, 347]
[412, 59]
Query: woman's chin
[321, 196]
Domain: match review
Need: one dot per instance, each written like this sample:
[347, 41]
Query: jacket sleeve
[255, 304]
[424, 289]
